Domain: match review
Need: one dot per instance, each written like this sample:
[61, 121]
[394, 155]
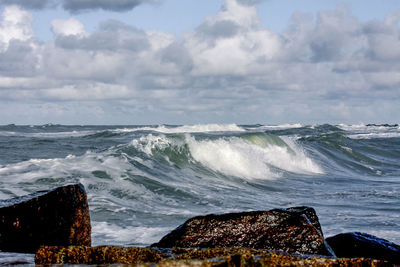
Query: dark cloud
[29, 4]
[334, 32]
[383, 41]
[19, 60]
[112, 36]
[79, 5]
[112, 5]
[177, 54]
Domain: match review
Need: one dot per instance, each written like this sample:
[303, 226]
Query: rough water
[143, 181]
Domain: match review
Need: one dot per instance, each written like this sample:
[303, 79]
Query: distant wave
[200, 128]
[368, 127]
[49, 134]
[371, 131]
[375, 135]
[279, 127]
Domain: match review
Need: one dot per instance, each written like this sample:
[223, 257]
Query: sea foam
[140, 235]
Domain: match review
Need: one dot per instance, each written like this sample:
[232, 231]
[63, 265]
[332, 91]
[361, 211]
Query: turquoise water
[143, 181]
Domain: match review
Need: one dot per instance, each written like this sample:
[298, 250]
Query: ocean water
[144, 181]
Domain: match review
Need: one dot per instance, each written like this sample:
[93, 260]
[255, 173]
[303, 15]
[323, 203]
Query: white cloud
[16, 24]
[67, 27]
[232, 42]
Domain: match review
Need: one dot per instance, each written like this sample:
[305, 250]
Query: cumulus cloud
[19, 51]
[16, 24]
[232, 42]
[333, 68]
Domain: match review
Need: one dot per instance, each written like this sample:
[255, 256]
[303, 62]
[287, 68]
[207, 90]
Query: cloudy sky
[191, 61]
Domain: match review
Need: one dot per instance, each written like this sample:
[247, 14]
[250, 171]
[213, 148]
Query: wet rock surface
[354, 245]
[56, 217]
[188, 257]
[293, 230]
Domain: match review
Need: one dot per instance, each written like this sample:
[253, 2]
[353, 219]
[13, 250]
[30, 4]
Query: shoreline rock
[293, 230]
[56, 217]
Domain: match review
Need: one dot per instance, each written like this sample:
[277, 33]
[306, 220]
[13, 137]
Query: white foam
[10, 259]
[280, 127]
[58, 169]
[8, 133]
[150, 142]
[199, 128]
[347, 127]
[374, 135]
[234, 156]
[362, 131]
[117, 235]
[367, 128]
[298, 162]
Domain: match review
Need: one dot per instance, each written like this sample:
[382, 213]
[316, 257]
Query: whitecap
[279, 127]
[199, 128]
[235, 156]
[374, 135]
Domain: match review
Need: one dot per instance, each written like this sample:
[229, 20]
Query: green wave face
[266, 140]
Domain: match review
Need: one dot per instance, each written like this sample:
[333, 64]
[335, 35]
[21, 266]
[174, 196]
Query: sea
[144, 181]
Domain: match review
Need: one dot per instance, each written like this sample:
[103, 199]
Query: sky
[198, 62]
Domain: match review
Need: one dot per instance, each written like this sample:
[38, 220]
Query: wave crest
[259, 155]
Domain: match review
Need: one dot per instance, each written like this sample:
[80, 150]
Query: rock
[354, 245]
[56, 217]
[97, 255]
[293, 230]
[146, 257]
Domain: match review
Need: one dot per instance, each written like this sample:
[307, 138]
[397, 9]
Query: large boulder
[56, 217]
[353, 245]
[293, 230]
